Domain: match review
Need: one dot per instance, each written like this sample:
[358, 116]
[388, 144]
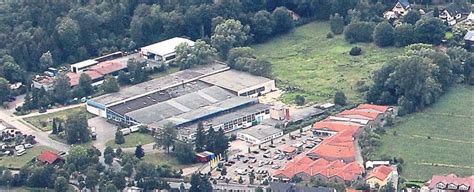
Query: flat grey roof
[202, 112]
[260, 131]
[160, 83]
[230, 116]
[235, 80]
[154, 113]
[157, 97]
[239, 113]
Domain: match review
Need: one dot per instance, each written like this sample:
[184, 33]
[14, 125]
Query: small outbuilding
[165, 50]
[49, 158]
[259, 134]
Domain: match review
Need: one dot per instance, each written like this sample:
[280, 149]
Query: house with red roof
[49, 158]
[379, 176]
[97, 72]
[451, 183]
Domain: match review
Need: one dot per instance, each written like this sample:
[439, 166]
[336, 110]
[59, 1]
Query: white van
[125, 131]
[20, 152]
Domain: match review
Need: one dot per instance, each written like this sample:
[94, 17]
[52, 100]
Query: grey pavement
[105, 131]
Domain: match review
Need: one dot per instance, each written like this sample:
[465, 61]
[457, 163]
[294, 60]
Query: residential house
[453, 13]
[49, 158]
[43, 81]
[379, 176]
[401, 8]
[451, 182]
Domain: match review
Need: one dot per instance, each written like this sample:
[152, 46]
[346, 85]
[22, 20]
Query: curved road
[26, 128]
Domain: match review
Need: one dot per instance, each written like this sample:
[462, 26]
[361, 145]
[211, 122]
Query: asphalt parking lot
[264, 161]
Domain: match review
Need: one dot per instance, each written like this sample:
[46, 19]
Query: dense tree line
[49, 34]
[82, 165]
[417, 79]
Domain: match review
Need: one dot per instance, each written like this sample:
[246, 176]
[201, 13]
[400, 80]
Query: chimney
[287, 114]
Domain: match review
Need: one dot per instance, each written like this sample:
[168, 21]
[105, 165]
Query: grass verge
[132, 140]
[48, 118]
[19, 161]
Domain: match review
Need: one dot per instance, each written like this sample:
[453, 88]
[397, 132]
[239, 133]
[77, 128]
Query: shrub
[384, 34]
[340, 98]
[299, 100]
[355, 51]
[359, 32]
[337, 24]
[330, 35]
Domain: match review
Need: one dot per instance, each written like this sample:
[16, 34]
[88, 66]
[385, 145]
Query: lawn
[164, 73]
[319, 66]
[449, 124]
[133, 140]
[160, 158]
[48, 118]
[19, 161]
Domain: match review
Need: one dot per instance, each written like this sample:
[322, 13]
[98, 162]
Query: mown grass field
[319, 66]
[36, 120]
[132, 140]
[19, 161]
[449, 124]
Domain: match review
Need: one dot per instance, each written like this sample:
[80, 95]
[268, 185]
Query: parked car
[20, 152]
[266, 156]
[62, 153]
[19, 147]
[276, 166]
[27, 145]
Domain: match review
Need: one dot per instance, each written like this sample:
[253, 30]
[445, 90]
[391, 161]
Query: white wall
[96, 111]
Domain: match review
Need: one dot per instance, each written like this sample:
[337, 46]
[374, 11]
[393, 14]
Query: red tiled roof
[74, 77]
[381, 172]
[107, 67]
[378, 108]
[452, 179]
[355, 113]
[335, 126]
[322, 167]
[48, 157]
[287, 149]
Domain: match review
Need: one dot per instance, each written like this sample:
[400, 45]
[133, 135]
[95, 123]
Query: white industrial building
[165, 50]
[259, 134]
[241, 83]
[83, 65]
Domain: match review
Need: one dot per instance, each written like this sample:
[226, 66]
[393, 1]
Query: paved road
[26, 128]
[36, 113]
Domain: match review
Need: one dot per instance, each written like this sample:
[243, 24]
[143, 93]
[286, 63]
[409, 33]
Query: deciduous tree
[384, 34]
[227, 35]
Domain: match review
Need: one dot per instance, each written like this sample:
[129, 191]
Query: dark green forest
[75, 30]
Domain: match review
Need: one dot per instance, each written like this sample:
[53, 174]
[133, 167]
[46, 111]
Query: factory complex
[213, 94]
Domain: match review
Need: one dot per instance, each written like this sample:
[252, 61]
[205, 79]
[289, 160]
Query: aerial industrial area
[293, 96]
